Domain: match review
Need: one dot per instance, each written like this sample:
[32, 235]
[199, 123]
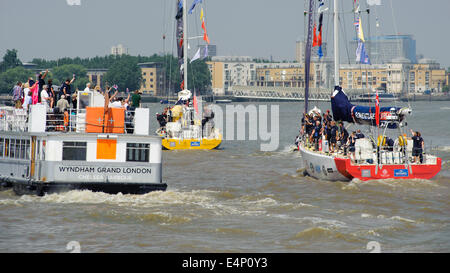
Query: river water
[241, 199]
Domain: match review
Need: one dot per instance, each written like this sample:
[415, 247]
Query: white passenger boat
[94, 148]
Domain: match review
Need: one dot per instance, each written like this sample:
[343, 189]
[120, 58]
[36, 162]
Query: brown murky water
[239, 199]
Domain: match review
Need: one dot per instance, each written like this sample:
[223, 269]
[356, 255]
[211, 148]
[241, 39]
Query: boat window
[138, 152]
[12, 148]
[74, 150]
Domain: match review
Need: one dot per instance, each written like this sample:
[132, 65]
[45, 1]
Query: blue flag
[193, 5]
[361, 55]
[320, 52]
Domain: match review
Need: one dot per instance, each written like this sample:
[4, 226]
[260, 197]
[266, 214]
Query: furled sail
[343, 110]
[180, 42]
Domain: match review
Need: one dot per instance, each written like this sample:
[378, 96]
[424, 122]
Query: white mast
[185, 44]
[336, 43]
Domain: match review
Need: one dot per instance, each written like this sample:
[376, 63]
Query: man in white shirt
[88, 87]
[45, 99]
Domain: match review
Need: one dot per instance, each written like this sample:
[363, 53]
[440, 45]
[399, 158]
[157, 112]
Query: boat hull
[321, 166]
[42, 188]
[191, 144]
[332, 168]
[389, 171]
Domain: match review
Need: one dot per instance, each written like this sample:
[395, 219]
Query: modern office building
[212, 50]
[383, 49]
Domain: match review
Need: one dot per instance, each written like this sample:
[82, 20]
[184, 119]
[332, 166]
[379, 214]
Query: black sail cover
[343, 110]
[179, 36]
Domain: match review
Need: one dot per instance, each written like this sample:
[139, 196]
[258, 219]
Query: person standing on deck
[316, 134]
[334, 136]
[136, 99]
[351, 144]
[343, 137]
[18, 95]
[45, 98]
[65, 89]
[62, 104]
[418, 146]
[51, 93]
[88, 87]
[41, 83]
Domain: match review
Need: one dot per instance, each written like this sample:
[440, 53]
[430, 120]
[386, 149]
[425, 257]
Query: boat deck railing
[384, 155]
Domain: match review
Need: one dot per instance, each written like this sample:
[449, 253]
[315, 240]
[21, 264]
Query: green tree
[125, 73]
[64, 72]
[199, 77]
[11, 76]
[10, 60]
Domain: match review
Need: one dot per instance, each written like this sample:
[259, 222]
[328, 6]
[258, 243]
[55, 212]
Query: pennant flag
[361, 55]
[73, 2]
[196, 56]
[315, 37]
[320, 52]
[374, 2]
[195, 103]
[201, 15]
[377, 110]
[193, 5]
[182, 85]
[205, 34]
[360, 30]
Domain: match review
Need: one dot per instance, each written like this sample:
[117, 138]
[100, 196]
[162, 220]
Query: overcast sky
[260, 28]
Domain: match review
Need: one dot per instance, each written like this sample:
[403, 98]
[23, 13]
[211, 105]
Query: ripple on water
[320, 233]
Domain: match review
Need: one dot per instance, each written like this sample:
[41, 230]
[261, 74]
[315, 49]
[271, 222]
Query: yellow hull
[191, 144]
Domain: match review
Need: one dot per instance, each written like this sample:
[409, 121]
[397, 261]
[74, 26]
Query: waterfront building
[152, 78]
[228, 71]
[95, 76]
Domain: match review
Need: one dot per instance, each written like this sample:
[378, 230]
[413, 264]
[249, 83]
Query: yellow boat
[186, 131]
[185, 126]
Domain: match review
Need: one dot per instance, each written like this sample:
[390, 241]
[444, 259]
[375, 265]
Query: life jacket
[66, 119]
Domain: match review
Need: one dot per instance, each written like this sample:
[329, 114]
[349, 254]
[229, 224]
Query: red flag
[377, 110]
[319, 38]
[315, 37]
[205, 35]
[194, 102]
[182, 85]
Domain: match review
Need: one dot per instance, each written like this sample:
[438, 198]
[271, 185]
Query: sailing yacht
[188, 126]
[372, 157]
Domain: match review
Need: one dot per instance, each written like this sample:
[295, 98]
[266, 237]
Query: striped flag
[377, 110]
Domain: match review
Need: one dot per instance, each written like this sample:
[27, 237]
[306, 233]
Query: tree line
[123, 70]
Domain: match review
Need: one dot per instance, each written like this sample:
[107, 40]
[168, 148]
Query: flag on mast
[377, 110]
[193, 5]
[196, 56]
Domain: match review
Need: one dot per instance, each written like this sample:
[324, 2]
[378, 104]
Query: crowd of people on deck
[39, 92]
[64, 100]
[315, 127]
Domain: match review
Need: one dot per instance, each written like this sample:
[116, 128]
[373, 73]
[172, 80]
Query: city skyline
[261, 29]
